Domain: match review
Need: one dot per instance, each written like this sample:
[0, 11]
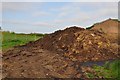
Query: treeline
[37, 34]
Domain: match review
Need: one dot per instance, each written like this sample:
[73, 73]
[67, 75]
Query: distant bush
[40, 34]
[89, 27]
[15, 40]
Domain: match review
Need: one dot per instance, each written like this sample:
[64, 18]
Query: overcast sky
[47, 17]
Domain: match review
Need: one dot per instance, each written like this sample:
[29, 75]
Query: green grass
[10, 40]
[109, 70]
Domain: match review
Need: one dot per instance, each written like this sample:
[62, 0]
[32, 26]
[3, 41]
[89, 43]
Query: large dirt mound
[58, 54]
[79, 44]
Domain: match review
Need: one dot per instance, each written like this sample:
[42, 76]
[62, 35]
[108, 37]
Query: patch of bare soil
[58, 55]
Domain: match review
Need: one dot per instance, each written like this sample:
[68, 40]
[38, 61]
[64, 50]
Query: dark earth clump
[59, 54]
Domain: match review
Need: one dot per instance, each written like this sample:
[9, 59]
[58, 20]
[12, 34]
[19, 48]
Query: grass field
[11, 39]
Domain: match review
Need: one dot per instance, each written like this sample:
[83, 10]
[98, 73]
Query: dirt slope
[107, 26]
[111, 27]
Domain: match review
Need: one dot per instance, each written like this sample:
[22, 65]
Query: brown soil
[58, 55]
[111, 27]
[107, 26]
[36, 64]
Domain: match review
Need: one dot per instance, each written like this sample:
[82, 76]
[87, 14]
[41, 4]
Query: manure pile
[59, 54]
[79, 44]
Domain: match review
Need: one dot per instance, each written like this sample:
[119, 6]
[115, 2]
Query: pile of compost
[58, 55]
[79, 44]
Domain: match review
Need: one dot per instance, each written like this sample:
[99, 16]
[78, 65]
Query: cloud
[0, 7]
[19, 6]
[37, 24]
[40, 14]
[18, 22]
[86, 14]
[49, 16]
[42, 24]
